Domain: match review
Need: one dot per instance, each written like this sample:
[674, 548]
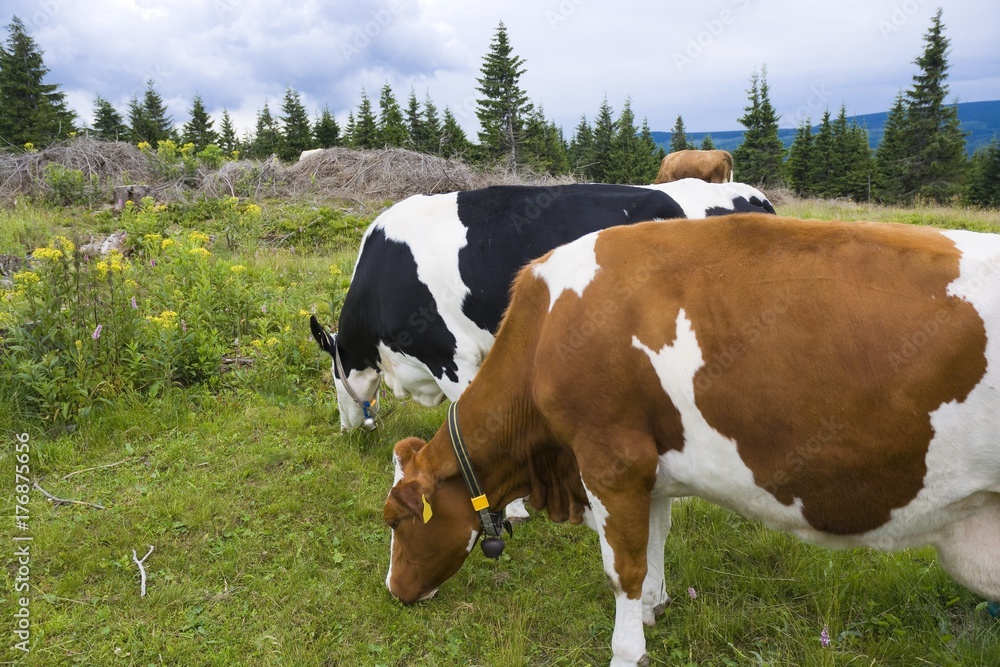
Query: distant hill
[980, 119]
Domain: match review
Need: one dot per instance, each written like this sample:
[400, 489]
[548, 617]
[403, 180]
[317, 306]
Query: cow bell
[368, 424]
[493, 547]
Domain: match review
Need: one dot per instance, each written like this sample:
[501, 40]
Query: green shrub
[79, 332]
[67, 187]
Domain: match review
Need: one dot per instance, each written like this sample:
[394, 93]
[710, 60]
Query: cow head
[434, 527]
[363, 382]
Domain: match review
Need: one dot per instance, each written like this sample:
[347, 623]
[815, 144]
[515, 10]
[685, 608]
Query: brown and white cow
[840, 381]
[711, 166]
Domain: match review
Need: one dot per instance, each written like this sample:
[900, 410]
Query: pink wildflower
[134, 305]
[692, 593]
[97, 332]
[824, 637]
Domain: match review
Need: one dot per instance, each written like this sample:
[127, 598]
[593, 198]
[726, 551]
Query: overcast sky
[672, 58]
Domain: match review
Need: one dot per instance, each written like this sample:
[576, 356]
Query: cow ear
[324, 339]
[405, 449]
[411, 499]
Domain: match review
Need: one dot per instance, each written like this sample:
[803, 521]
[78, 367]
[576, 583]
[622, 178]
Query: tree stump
[133, 193]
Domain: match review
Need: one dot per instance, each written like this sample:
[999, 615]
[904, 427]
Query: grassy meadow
[265, 520]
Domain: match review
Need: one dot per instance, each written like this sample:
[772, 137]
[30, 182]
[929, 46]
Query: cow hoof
[994, 609]
[643, 661]
[659, 609]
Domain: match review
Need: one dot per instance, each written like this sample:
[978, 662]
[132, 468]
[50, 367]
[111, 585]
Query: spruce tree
[707, 144]
[759, 159]
[604, 132]
[296, 131]
[267, 136]
[933, 133]
[108, 123]
[678, 137]
[365, 134]
[651, 154]
[625, 164]
[30, 110]
[544, 148]
[581, 150]
[349, 129]
[850, 159]
[326, 131]
[392, 130]
[798, 168]
[892, 157]
[984, 176]
[503, 106]
[414, 122]
[821, 173]
[148, 120]
[429, 140]
[198, 130]
[227, 133]
[454, 143]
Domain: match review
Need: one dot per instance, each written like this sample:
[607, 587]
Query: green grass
[270, 548]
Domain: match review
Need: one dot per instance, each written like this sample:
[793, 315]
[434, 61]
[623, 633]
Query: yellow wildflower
[131, 284]
[167, 319]
[304, 313]
[272, 341]
[166, 243]
[237, 268]
[252, 210]
[50, 254]
[78, 343]
[198, 237]
[187, 148]
[26, 277]
[30, 147]
[144, 145]
[64, 244]
[153, 237]
[334, 270]
[201, 252]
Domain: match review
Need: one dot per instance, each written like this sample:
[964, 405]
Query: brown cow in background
[711, 166]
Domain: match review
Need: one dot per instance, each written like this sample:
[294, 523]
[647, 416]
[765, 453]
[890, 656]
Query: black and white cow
[432, 277]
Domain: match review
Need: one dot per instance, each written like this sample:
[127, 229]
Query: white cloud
[692, 59]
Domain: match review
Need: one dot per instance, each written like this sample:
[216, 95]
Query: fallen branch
[109, 465]
[142, 570]
[65, 501]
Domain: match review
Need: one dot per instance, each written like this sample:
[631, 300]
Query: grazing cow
[710, 166]
[840, 381]
[434, 271]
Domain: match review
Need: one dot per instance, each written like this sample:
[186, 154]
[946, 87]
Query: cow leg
[970, 550]
[623, 551]
[654, 589]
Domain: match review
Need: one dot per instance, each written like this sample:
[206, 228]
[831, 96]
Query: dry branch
[65, 501]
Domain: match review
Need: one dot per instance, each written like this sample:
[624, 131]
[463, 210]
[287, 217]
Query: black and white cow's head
[357, 385]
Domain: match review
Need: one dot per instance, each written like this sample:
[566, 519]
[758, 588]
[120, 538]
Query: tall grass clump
[80, 330]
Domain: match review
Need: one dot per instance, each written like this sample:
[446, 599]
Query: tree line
[922, 155]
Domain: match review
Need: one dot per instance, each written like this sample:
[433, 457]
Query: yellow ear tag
[427, 509]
